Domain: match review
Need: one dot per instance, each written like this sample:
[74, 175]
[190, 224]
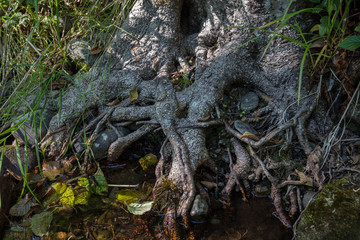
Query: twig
[272, 179]
[123, 185]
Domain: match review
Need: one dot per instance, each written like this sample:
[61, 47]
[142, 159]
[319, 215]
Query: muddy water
[251, 220]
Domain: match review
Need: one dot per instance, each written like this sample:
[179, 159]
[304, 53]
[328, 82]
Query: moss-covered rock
[335, 214]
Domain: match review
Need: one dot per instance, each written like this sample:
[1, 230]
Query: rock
[249, 101]
[215, 221]
[262, 190]
[80, 50]
[307, 197]
[334, 214]
[242, 127]
[102, 143]
[200, 207]
[41, 124]
[10, 160]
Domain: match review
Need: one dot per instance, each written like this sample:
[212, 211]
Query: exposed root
[181, 155]
[170, 224]
[117, 147]
[238, 171]
[280, 212]
[263, 140]
[293, 203]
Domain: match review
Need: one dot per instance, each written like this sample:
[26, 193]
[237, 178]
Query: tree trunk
[162, 39]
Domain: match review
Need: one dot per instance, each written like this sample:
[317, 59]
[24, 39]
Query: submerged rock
[244, 127]
[103, 142]
[200, 207]
[334, 214]
[249, 101]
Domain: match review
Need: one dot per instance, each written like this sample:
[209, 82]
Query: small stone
[215, 221]
[200, 207]
[251, 177]
[102, 143]
[242, 127]
[261, 191]
[249, 101]
[307, 197]
[80, 50]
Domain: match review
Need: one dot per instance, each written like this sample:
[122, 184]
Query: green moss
[335, 214]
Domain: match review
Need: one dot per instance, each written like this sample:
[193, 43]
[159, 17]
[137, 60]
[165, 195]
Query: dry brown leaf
[304, 179]
[313, 163]
[209, 185]
[134, 94]
[51, 169]
[266, 98]
[96, 50]
[355, 159]
[113, 103]
[204, 119]
[250, 136]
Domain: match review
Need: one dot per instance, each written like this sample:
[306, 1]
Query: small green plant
[352, 42]
[332, 29]
[243, 112]
[185, 81]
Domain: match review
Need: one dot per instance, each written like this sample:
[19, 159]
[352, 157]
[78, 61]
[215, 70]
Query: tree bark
[157, 41]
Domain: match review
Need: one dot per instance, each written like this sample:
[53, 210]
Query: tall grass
[34, 35]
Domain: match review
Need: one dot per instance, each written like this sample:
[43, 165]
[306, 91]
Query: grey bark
[163, 34]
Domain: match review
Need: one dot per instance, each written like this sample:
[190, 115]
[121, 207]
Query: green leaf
[357, 29]
[147, 161]
[68, 197]
[84, 182]
[134, 94]
[351, 43]
[140, 208]
[127, 196]
[40, 222]
[100, 182]
[97, 184]
[60, 188]
[81, 196]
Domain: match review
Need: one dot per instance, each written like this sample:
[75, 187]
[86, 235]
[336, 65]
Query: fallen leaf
[140, 208]
[313, 164]
[250, 136]
[51, 170]
[127, 196]
[209, 185]
[147, 161]
[113, 103]
[40, 223]
[21, 208]
[96, 50]
[204, 119]
[306, 180]
[134, 94]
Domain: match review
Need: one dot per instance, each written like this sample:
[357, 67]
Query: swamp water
[251, 220]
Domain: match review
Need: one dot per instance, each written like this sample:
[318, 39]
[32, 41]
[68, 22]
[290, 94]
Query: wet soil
[246, 220]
